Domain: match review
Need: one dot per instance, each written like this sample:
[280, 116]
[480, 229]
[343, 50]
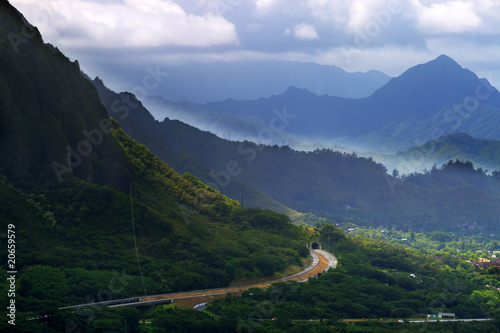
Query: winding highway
[321, 261]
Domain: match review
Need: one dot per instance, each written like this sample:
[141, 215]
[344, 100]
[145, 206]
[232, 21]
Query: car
[401, 321]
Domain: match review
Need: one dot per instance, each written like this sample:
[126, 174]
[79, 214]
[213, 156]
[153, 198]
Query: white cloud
[263, 6]
[332, 11]
[130, 24]
[137, 31]
[305, 31]
[229, 56]
[446, 17]
[359, 14]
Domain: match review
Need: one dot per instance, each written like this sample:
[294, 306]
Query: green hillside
[170, 140]
[340, 187]
[97, 216]
[88, 214]
[375, 284]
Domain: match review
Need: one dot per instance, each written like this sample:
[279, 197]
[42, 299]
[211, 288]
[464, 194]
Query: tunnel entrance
[315, 246]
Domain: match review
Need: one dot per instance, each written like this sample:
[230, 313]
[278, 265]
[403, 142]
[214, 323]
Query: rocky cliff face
[45, 102]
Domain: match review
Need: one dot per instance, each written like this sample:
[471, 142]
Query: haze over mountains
[164, 138]
[207, 82]
[484, 153]
[329, 184]
[421, 107]
[423, 103]
[91, 212]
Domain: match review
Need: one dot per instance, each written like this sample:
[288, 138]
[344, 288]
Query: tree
[440, 236]
[412, 235]
[493, 270]
[402, 312]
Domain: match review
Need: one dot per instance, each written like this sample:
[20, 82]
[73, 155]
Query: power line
[135, 240]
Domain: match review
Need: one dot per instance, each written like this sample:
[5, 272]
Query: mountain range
[422, 104]
[136, 120]
[89, 213]
[409, 124]
[329, 184]
[212, 81]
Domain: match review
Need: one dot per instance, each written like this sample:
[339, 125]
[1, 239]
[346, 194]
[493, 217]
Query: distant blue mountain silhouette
[405, 110]
[203, 82]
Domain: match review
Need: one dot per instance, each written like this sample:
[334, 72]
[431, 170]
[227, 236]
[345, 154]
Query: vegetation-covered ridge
[332, 185]
[167, 140]
[76, 240]
[374, 280]
[457, 146]
[122, 223]
[118, 222]
[48, 111]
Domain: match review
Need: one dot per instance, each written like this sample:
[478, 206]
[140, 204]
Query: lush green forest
[466, 241]
[375, 280]
[97, 216]
[193, 321]
[333, 185]
[75, 240]
[137, 122]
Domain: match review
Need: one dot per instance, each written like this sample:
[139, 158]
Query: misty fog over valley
[249, 166]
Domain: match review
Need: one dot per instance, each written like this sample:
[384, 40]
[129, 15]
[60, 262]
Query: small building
[447, 315]
[441, 315]
[433, 316]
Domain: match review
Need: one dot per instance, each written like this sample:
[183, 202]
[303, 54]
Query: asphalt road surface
[322, 260]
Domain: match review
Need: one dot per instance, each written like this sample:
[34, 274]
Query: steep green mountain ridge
[97, 216]
[337, 186]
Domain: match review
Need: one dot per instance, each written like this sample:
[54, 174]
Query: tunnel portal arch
[315, 246]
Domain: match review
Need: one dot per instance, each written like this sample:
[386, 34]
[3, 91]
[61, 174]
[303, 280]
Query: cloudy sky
[110, 37]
